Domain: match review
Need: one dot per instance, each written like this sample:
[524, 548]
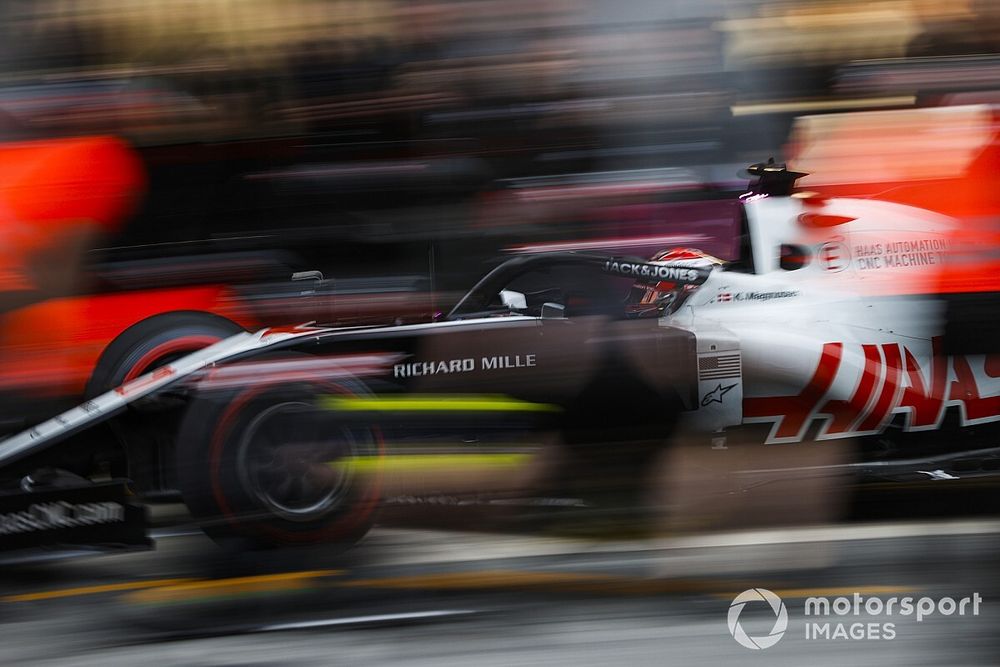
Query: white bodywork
[845, 342]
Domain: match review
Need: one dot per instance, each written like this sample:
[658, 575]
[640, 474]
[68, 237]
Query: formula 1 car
[825, 328]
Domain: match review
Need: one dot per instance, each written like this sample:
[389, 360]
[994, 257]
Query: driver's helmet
[664, 297]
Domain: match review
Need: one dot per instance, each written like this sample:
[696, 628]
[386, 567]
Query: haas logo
[892, 381]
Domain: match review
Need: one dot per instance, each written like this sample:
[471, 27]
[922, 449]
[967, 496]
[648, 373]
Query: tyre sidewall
[209, 469]
[142, 347]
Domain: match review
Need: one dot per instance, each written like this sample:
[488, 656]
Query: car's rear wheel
[263, 465]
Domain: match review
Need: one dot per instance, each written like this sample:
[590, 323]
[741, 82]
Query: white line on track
[163, 533]
[356, 620]
[451, 546]
[874, 531]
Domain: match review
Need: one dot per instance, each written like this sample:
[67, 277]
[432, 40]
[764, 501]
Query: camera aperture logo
[845, 618]
[780, 618]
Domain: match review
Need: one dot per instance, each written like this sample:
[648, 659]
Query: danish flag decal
[891, 381]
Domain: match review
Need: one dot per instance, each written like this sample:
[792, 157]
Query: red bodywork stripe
[846, 413]
[890, 388]
[794, 411]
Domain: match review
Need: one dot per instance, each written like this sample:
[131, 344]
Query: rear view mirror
[315, 276]
[307, 275]
[513, 300]
[553, 311]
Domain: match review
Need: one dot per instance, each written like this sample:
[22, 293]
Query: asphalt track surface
[435, 597]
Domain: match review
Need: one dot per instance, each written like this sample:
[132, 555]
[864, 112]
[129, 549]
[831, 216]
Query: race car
[825, 328]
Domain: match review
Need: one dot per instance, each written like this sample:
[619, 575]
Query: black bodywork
[567, 355]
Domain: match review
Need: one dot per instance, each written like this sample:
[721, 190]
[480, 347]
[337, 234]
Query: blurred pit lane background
[402, 146]
[371, 137]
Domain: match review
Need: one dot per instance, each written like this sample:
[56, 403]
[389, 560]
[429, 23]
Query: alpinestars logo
[780, 618]
[716, 395]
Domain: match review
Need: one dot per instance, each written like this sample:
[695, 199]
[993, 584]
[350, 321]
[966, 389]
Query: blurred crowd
[497, 75]
[256, 109]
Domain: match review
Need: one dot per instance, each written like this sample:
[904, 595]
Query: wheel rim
[285, 463]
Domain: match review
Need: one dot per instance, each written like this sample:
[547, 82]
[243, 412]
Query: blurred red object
[56, 197]
[57, 181]
[942, 159]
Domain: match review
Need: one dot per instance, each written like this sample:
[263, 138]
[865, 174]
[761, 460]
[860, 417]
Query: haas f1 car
[825, 328]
